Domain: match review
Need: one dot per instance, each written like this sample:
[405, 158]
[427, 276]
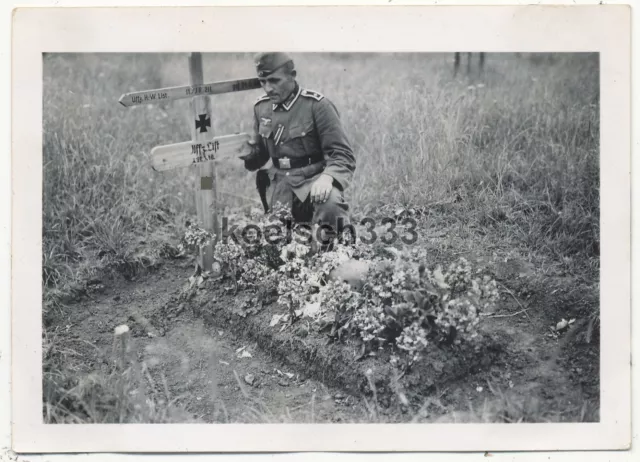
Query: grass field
[510, 157]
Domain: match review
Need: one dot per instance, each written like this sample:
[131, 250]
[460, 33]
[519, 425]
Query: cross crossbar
[159, 95]
[185, 154]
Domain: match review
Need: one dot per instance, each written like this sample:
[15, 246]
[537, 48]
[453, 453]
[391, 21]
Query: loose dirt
[214, 353]
[216, 375]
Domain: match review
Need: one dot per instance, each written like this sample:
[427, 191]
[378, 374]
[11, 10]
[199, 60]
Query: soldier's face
[279, 85]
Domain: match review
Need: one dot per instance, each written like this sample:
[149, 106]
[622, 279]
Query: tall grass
[516, 149]
[520, 148]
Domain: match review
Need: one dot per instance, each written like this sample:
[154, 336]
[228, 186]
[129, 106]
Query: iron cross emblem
[203, 122]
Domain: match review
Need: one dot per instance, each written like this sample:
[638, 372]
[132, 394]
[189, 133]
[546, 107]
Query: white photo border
[363, 28]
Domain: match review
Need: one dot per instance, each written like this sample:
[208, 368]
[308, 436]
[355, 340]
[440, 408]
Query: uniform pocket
[299, 131]
[300, 138]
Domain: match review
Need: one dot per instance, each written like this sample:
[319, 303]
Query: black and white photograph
[470, 182]
[281, 236]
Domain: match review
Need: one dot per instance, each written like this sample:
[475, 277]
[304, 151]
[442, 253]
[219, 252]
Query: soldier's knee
[333, 208]
[332, 215]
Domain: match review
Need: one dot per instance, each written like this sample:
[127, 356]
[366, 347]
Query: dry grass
[119, 390]
[516, 150]
[501, 407]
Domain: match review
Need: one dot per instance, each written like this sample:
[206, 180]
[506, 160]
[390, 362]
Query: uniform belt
[286, 163]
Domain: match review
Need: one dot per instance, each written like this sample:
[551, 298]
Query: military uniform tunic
[306, 126]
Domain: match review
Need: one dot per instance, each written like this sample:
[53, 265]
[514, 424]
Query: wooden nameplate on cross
[185, 154]
[204, 150]
[187, 91]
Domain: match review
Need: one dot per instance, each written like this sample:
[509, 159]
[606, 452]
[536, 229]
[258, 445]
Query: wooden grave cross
[204, 150]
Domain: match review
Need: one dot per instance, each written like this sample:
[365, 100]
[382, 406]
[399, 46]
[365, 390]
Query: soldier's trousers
[332, 215]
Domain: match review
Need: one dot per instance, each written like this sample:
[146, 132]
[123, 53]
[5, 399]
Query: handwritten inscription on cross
[203, 122]
[203, 150]
[211, 146]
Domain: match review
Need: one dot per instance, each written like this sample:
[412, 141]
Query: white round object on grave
[118, 331]
[353, 272]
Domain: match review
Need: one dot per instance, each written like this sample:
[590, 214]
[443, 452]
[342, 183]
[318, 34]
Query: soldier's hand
[253, 141]
[321, 188]
[251, 160]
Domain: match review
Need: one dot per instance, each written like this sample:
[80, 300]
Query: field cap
[268, 63]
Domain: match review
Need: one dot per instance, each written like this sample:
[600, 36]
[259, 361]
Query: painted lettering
[241, 85]
[213, 146]
[201, 154]
[203, 158]
[204, 152]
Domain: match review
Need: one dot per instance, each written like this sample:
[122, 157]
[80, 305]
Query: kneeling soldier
[300, 130]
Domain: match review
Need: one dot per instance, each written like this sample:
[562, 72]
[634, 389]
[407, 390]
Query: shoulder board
[262, 98]
[312, 94]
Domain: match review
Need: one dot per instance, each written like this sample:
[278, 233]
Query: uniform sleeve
[260, 156]
[341, 162]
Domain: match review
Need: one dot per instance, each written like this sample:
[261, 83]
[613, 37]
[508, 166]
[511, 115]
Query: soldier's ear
[294, 73]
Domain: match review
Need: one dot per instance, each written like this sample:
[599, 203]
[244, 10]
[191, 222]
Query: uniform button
[303, 133]
[287, 173]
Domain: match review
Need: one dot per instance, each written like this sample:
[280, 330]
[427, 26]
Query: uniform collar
[290, 101]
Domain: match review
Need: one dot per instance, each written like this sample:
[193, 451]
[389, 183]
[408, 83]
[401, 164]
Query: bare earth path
[201, 363]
